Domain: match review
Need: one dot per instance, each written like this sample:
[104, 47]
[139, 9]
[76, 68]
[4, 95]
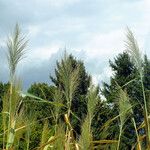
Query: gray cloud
[72, 23]
[41, 72]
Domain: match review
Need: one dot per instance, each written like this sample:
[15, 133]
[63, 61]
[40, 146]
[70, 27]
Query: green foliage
[71, 115]
[3, 90]
[146, 77]
[44, 91]
[40, 110]
[124, 72]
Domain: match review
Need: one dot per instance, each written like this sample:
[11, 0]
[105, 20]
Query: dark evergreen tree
[44, 91]
[3, 89]
[126, 75]
[124, 71]
[39, 111]
[146, 73]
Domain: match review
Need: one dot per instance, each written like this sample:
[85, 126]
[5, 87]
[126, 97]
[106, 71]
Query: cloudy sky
[93, 30]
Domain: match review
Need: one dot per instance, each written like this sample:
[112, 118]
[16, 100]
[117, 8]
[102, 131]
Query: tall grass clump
[62, 132]
[134, 51]
[12, 103]
[57, 129]
[69, 77]
[85, 140]
[126, 113]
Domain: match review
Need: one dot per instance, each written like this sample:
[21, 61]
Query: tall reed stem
[9, 118]
[118, 146]
[145, 115]
[138, 140]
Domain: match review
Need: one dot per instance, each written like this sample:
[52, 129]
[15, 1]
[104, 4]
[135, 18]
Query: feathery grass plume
[46, 137]
[134, 51]
[124, 110]
[70, 80]
[45, 133]
[93, 98]
[22, 135]
[25, 127]
[86, 136]
[16, 45]
[59, 143]
[58, 99]
[85, 140]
